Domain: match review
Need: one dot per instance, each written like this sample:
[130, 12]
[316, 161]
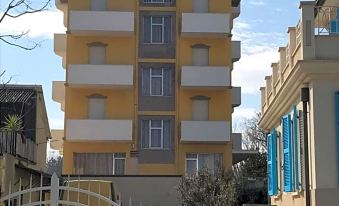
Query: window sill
[293, 194]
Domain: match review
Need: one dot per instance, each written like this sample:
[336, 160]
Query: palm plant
[13, 123]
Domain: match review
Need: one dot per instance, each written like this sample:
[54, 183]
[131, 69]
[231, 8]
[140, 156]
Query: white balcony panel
[205, 24]
[58, 93]
[236, 51]
[99, 130]
[100, 75]
[236, 96]
[205, 131]
[205, 77]
[101, 22]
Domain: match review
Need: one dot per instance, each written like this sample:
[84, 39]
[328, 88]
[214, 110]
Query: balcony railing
[16, 145]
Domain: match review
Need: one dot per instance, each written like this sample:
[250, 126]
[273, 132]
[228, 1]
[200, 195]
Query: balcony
[236, 96]
[311, 45]
[207, 77]
[57, 141]
[58, 93]
[60, 45]
[100, 76]
[236, 11]
[205, 131]
[200, 25]
[98, 130]
[18, 146]
[236, 51]
[101, 23]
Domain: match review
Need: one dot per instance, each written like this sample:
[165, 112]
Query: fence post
[54, 190]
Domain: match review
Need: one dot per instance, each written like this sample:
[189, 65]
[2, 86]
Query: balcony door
[96, 106]
[200, 6]
[200, 108]
[98, 5]
[200, 56]
[97, 53]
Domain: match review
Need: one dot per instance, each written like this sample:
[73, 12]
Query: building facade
[148, 87]
[300, 111]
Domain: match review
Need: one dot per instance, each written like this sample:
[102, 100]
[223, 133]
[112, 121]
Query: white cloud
[259, 51]
[40, 25]
[240, 115]
[256, 3]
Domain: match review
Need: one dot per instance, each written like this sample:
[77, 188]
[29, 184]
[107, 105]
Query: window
[195, 162]
[96, 106]
[272, 171]
[200, 55]
[156, 82]
[200, 6]
[157, 29]
[200, 106]
[98, 5]
[156, 134]
[287, 153]
[99, 163]
[97, 53]
[119, 163]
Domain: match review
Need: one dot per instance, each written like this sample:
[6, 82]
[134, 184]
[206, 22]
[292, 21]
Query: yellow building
[300, 111]
[148, 87]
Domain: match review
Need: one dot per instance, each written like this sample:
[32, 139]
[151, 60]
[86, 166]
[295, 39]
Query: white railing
[56, 190]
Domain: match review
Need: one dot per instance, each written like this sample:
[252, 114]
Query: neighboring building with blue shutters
[300, 111]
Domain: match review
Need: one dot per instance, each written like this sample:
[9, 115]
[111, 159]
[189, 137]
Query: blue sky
[261, 27]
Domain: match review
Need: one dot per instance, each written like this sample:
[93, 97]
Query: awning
[15, 95]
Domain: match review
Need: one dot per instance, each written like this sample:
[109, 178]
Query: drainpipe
[305, 97]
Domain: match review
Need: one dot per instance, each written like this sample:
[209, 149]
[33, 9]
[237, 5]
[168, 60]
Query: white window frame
[150, 134]
[162, 29]
[118, 158]
[154, 2]
[162, 82]
[196, 159]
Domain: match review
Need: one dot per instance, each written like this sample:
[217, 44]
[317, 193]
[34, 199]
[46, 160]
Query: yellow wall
[219, 50]
[112, 5]
[220, 108]
[119, 50]
[218, 6]
[119, 103]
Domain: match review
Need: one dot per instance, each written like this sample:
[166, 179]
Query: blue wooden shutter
[296, 148]
[337, 130]
[287, 148]
[272, 163]
[269, 165]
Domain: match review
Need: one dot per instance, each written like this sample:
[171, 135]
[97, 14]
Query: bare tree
[3, 81]
[16, 9]
[254, 138]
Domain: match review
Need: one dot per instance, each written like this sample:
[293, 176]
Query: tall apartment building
[300, 111]
[148, 86]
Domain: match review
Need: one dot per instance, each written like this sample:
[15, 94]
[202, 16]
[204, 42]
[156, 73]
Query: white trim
[154, 2]
[162, 82]
[162, 24]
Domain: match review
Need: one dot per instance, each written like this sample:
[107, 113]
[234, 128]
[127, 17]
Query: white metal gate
[55, 189]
